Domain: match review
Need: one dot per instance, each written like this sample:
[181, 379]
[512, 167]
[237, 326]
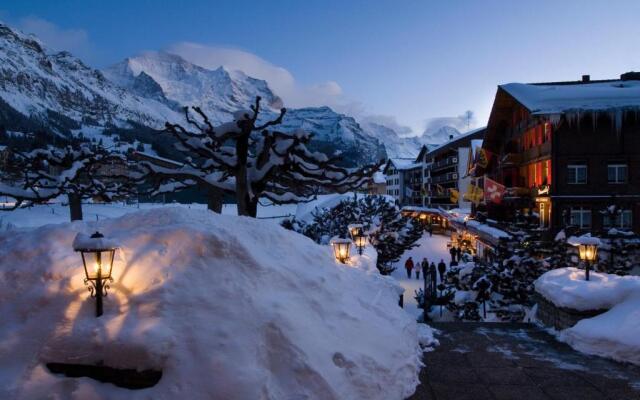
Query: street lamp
[587, 250]
[355, 229]
[341, 249]
[588, 254]
[361, 242]
[97, 258]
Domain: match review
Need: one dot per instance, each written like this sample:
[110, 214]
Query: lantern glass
[588, 252]
[360, 241]
[98, 263]
[355, 230]
[341, 250]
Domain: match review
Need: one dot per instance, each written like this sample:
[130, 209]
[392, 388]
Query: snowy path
[517, 361]
[434, 248]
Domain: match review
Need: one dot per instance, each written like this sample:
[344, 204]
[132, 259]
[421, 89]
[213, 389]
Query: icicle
[594, 120]
[555, 120]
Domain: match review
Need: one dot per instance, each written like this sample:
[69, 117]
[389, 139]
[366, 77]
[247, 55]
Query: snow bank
[567, 287]
[614, 334]
[228, 307]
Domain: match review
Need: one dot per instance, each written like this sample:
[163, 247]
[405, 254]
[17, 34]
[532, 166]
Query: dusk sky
[410, 61]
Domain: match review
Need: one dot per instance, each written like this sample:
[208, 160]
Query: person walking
[418, 269]
[424, 265]
[452, 252]
[430, 230]
[459, 253]
[434, 277]
[409, 266]
[442, 268]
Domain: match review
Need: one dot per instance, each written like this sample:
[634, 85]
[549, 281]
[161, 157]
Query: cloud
[462, 122]
[283, 83]
[389, 121]
[55, 38]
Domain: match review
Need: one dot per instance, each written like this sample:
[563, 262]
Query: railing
[444, 163]
[448, 177]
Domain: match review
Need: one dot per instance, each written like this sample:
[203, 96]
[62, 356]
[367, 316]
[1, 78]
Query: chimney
[586, 78]
[450, 137]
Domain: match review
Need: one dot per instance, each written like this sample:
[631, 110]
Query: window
[397, 181]
[617, 173]
[576, 174]
[397, 192]
[622, 220]
[581, 217]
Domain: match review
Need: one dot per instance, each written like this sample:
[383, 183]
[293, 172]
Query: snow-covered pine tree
[390, 233]
[80, 172]
[251, 159]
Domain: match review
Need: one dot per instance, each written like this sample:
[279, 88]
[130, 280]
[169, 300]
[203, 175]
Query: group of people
[456, 254]
[428, 270]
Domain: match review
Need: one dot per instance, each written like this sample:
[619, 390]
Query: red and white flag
[493, 191]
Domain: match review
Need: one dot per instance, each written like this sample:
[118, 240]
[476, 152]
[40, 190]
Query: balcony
[444, 178]
[536, 152]
[447, 162]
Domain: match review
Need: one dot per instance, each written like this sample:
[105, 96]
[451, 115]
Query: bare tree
[252, 160]
[46, 173]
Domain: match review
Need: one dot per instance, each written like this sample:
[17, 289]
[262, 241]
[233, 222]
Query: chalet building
[566, 151]
[448, 167]
[403, 180]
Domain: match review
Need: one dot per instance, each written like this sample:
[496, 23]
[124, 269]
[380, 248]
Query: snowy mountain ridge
[57, 92]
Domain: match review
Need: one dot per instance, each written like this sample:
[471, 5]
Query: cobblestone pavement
[496, 361]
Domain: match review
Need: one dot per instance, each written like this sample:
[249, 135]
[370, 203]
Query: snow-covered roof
[378, 177]
[403, 163]
[451, 143]
[556, 98]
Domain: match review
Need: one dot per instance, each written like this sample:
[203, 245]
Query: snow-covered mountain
[220, 92]
[39, 89]
[440, 135]
[57, 92]
[395, 145]
[173, 80]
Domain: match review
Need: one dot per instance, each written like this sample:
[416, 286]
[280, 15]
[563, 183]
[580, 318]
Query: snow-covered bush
[390, 233]
[227, 307]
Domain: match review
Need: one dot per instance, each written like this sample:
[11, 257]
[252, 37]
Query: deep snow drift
[615, 333]
[228, 307]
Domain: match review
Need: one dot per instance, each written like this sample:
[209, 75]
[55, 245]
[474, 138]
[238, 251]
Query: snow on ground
[226, 306]
[434, 248]
[567, 287]
[57, 213]
[615, 333]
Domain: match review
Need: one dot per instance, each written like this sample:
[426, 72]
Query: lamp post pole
[587, 268]
[98, 297]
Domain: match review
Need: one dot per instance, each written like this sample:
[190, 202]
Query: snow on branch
[251, 158]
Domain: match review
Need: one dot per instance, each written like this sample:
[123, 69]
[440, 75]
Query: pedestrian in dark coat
[425, 268]
[430, 230]
[452, 251]
[459, 253]
[433, 273]
[409, 266]
[442, 268]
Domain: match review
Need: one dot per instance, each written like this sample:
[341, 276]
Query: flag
[493, 191]
[474, 194]
[439, 189]
[454, 195]
[483, 158]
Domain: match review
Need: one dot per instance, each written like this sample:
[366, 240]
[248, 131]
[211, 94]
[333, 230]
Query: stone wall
[560, 317]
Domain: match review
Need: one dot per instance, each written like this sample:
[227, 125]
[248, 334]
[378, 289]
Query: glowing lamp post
[587, 249]
[588, 254]
[341, 249]
[97, 258]
[355, 230]
[361, 242]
